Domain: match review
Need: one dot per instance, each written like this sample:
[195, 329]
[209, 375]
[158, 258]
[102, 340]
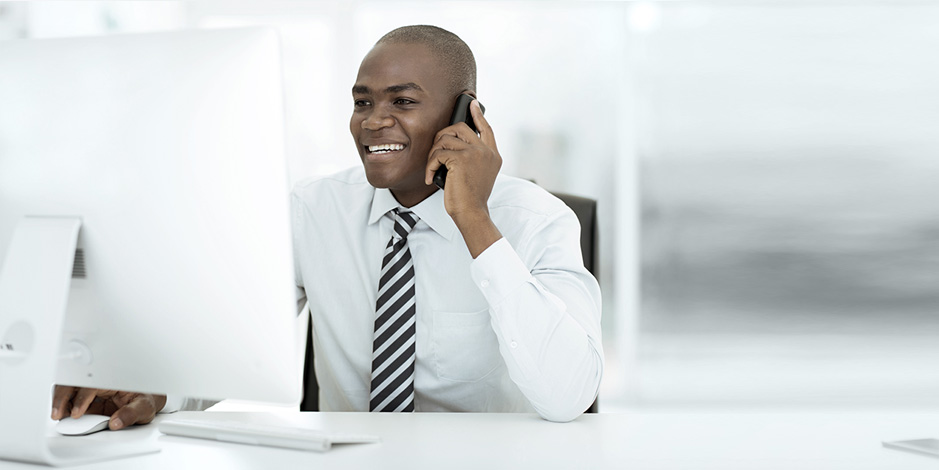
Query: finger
[159, 402]
[429, 172]
[100, 406]
[460, 130]
[465, 133]
[432, 165]
[445, 142]
[482, 125]
[120, 399]
[444, 157]
[141, 410]
[450, 142]
[61, 401]
[82, 401]
[440, 157]
[447, 131]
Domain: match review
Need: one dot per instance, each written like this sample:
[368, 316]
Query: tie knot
[404, 222]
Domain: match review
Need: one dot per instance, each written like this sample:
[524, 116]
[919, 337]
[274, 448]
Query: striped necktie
[393, 347]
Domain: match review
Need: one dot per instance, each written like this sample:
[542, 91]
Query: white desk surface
[676, 439]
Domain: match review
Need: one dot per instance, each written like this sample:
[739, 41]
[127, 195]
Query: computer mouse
[87, 424]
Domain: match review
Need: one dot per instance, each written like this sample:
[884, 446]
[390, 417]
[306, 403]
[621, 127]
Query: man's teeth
[384, 148]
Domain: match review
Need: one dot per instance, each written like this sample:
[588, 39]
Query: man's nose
[377, 119]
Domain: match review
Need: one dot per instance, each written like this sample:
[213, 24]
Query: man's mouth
[384, 148]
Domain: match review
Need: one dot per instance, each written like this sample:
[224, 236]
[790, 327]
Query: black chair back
[311, 388]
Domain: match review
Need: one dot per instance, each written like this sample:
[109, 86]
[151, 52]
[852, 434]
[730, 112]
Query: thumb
[482, 125]
[140, 410]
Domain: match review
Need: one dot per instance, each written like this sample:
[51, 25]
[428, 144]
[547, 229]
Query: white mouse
[87, 424]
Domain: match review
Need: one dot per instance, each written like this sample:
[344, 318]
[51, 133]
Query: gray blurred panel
[790, 169]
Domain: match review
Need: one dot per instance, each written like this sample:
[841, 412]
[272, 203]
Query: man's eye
[360, 103]
[403, 102]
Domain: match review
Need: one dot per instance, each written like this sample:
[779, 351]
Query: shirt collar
[430, 210]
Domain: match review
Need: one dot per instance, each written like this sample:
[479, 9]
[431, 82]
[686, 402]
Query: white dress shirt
[516, 330]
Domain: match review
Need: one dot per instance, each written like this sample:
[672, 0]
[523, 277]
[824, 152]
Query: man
[473, 298]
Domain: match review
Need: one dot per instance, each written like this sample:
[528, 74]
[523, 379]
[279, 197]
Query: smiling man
[470, 299]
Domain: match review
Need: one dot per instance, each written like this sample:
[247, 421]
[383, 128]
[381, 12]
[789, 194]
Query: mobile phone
[461, 113]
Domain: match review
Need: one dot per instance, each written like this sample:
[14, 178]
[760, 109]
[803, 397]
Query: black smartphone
[461, 113]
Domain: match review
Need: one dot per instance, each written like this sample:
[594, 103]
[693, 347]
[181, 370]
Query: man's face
[401, 100]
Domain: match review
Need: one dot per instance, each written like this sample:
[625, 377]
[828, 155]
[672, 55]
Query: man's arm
[546, 316]
[472, 163]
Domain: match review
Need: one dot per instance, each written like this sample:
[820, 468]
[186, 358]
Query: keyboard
[287, 437]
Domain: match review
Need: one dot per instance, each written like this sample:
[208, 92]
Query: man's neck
[412, 198]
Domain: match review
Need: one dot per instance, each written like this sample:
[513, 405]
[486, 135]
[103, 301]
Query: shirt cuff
[173, 404]
[498, 271]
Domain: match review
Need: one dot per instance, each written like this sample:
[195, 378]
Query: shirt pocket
[465, 347]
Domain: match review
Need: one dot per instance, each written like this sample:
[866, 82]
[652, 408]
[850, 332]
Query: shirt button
[484, 283]
[513, 344]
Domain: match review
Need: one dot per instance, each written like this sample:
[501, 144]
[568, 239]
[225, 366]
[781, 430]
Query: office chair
[586, 211]
[311, 388]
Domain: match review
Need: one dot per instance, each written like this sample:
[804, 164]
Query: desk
[673, 439]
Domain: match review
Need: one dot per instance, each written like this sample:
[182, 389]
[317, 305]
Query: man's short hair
[448, 48]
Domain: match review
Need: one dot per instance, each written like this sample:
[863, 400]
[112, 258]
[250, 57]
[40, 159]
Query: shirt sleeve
[545, 311]
[301, 300]
[176, 403]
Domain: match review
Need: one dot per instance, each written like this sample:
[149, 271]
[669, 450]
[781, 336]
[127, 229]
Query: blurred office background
[767, 173]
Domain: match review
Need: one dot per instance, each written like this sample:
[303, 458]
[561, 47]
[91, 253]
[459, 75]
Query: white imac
[145, 242]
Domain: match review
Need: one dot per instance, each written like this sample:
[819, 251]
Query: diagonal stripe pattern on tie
[393, 352]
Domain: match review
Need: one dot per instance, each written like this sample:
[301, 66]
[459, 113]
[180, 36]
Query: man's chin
[376, 181]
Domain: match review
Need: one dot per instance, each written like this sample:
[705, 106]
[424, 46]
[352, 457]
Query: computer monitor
[144, 225]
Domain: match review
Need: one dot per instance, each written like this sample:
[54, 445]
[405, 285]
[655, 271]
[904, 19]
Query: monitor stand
[34, 288]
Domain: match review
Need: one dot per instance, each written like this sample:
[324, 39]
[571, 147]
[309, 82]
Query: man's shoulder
[345, 183]
[512, 193]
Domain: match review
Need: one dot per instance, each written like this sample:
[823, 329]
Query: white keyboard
[261, 434]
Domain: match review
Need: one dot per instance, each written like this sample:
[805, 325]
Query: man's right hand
[124, 408]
